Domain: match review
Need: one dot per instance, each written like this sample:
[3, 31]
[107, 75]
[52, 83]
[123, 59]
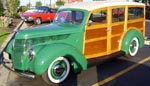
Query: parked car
[147, 12]
[38, 15]
[117, 12]
[81, 35]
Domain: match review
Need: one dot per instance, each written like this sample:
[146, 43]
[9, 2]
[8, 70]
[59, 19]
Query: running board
[99, 60]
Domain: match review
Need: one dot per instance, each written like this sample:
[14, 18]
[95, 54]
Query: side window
[135, 13]
[118, 14]
[99, 17]
[78, 16]
[51, 11]
[70, 17]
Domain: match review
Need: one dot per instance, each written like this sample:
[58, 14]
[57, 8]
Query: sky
[44, 2]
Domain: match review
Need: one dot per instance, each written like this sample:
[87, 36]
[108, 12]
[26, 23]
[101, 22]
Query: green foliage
[60, 3]
[23, 9]
[47, 5]
[1, 8]
[38, 3]
[16, 15]
[5, 21]
[29, 5]
[12, 6]
[3, 36]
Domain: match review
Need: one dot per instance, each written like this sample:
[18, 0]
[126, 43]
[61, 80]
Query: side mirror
[90, 22]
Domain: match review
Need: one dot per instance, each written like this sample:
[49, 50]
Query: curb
[10, 37]
[4, 73]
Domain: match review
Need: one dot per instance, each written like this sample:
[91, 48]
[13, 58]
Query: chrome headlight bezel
[30, 18]
[31, 53]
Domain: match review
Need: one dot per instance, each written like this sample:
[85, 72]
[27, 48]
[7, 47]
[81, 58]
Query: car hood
[48, 30]
[27, 13]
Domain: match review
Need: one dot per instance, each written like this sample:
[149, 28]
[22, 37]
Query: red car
[117, 12]
[39, 15]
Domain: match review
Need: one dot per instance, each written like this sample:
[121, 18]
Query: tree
[23, 9]
[47, 5]
[1, 8]
[28, 5]
[60, 3]
[11, 7]
[38, 3]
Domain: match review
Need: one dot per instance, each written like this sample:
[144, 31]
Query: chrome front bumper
[27, 18]
[6, 63]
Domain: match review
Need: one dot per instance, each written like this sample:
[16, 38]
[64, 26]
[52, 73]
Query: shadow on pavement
[138, 76]
[15, 80]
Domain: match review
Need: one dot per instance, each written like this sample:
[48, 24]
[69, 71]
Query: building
[125, 0]
[114, 0]
[71, 1]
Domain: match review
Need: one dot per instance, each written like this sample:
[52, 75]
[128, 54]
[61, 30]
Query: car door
[45, 15]
[96, 41]
[51, 14]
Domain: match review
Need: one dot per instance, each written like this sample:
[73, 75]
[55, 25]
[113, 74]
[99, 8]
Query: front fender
[9, 47]
[45, 54]
[129, 36]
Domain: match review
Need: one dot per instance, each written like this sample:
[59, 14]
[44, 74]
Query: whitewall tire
[134, 46]
[58, 70]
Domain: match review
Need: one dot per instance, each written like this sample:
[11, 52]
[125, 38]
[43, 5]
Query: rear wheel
[49, 20]
[58, 71]
[134, 46]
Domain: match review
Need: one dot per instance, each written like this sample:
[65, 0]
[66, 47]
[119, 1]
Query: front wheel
[58, 71]
[38, 21]
[134, 46]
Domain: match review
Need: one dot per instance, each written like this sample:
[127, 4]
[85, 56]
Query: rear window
[135, 13]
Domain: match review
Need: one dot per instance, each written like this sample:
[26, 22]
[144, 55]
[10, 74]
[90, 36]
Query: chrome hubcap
[58, 69]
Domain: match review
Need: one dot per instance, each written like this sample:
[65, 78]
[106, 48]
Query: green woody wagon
[80, 33]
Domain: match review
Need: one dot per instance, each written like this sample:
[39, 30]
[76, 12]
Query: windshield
[70, 17]
[41, 9]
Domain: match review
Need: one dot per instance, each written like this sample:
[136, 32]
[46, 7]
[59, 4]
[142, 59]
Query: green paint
[49, 42]
[43, 59]
[128, 38]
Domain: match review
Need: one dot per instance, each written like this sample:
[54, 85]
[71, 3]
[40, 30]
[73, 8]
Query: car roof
[91, 5]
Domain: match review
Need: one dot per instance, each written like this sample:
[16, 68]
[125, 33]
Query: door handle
[110, 30]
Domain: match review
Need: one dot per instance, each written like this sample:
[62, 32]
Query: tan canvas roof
[98, 4]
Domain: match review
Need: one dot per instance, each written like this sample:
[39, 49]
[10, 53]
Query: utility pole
[44, 3]
[50, 3]
[29, 4]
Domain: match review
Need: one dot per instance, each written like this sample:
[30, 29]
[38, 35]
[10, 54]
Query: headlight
[31, 54]
[30, 18]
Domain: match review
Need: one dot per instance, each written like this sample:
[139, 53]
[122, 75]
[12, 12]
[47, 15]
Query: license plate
[6, 55]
